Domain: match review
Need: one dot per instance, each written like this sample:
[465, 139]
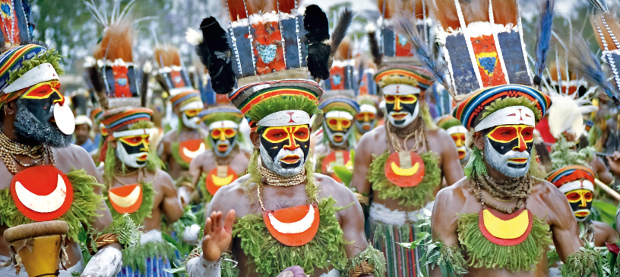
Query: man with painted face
[575, 179]
[225, 161]
[136, 185]
[401, 165]
[503, 207]
[44, 177]
[338, 133]
[366, 119]
[455, 129]
[180, 146]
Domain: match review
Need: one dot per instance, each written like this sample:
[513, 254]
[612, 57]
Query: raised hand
[614, 163]
[217, 237]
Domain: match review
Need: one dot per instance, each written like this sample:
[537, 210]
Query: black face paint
[275, 139]
[33, 126]
[401, 109]
[137, 149]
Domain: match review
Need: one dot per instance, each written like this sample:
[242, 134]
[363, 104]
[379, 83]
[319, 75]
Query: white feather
[566, 114]
[193, 37]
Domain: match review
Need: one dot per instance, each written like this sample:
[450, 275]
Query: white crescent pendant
[125, 201]
[294, 227]
[64, 118]
[193, 154]
[43, 203]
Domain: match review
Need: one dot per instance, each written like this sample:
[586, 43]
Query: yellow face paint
[338, 123]
[192, 113]
[45, 90]
[223, 133]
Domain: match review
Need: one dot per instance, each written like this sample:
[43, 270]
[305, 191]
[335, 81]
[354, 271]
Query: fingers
[230, 220]
[207, 229]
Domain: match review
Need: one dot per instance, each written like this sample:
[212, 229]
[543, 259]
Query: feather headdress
[608, 30]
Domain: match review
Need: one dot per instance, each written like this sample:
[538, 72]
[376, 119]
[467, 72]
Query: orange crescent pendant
[404, 169]
[189, 149]
[215, 181]
[293, 226]
[126, 199]
[340, 157]
[505, 229]
[42, 193]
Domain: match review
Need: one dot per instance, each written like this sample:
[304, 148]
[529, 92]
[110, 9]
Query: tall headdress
[172, 76]
[273, 51]
[112, 73]
[607, 29]
[391, 46]
[341, 73]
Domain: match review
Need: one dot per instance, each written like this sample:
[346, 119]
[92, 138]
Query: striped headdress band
[181, 99]
[340, 103]
[404, 74]
[471, 108]
[250, 96]
[570, 173]
[114, 120]
[221, 113]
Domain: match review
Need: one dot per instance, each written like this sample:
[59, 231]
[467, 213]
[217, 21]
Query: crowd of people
[445, 150]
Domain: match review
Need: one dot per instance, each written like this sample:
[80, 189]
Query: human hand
[217, 237]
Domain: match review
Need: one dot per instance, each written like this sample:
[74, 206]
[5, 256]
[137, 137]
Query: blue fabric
[154, 268]
[90, 146]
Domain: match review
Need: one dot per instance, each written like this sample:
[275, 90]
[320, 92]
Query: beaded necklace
[9, 150]
[507, 190]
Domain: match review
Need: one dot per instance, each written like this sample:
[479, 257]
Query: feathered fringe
[82, 212]
[167, 56]
[505, 12]
[544, 36]
[583, 263]
[270, 257]
[317, 41]
[484, 254]
[416, 196]
[405, 26]
[449, 259]
[340, 31]
[585, 64]
[215, 53]
[135, 257]
[603, 21]
[371, 29]
[372, 257]
[117, 42]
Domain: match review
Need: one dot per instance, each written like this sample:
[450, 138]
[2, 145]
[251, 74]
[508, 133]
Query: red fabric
[545, 134]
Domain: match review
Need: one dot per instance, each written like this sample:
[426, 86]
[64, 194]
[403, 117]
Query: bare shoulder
[164, 179]
[74, 157]
[368, 142]
[329, 187]
[548, 193]
[237, 190]
[170, 136]
[454, 195]
[603, 227]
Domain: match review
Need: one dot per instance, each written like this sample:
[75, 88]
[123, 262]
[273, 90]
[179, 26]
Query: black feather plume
[374, 45]
[340, 31]
[544, 36]
[215, 53]
[404, 25]
[317, 41]
[585, 64]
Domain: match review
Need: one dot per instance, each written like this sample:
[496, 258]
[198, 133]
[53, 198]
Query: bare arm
[450, 164]
[163, 150]
[171, 206]
[563, 224]
[363, 158]
[601, 170]
[195, 168]
[444, 221]
[351, 220]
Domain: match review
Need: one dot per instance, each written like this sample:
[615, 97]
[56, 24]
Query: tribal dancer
[366, 119]
[226, 160]
[400, 166]
[134, 183]
[500, 220]
[180, 146]
[44, 177]
[573, 176]
[137, 186]
[457, 131]
[338, 133]
[286, 214]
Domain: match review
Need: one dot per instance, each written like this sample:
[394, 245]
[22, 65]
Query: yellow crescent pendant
[404, 172]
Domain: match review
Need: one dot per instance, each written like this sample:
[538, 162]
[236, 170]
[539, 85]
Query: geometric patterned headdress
[484, 47]
[172, 76]
[608, 31]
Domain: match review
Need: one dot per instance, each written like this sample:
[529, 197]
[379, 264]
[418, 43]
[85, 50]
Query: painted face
[365, 120]
[458, 134]
[43, 115]
[338, 127]
[191, 118]
[284, 150]
[508, 149]
[401, 109]
[133, 150]
[223, 140]
[580, 201]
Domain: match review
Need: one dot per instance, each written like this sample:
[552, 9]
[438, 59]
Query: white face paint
[501, 162]
[403, 122]
[193, 122]
[130, 160]
[277, 167]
